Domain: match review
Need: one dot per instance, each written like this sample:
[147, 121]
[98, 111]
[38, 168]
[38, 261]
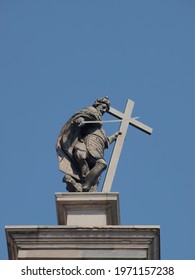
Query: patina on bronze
[80, 147]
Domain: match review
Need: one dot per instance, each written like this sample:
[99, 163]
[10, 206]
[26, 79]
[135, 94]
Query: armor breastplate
[96, 141]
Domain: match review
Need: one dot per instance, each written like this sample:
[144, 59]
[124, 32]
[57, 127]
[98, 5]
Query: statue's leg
[80, 155]
[93, 175]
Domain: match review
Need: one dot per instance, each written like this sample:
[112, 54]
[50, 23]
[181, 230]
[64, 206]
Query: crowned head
[105, 100]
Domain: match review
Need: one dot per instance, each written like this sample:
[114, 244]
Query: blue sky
[57, 57]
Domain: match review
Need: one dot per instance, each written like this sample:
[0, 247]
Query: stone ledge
[74, 242]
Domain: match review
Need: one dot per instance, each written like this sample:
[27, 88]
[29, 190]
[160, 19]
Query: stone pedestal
[88, 209]
[88, 229]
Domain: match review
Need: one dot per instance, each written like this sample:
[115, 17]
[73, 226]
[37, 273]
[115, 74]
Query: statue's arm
[113, 137]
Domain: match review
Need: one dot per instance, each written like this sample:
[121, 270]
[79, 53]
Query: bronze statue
[80, 147]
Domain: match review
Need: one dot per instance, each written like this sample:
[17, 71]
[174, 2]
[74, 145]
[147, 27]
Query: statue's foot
[93, 189]
[72, 185]
[90, 189]
[86, 188]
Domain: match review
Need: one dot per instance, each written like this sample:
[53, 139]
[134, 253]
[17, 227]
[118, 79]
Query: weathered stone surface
[72, 242]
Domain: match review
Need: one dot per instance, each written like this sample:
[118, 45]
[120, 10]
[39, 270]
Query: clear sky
[57, 57]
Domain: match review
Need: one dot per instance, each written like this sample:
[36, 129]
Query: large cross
[126, 120]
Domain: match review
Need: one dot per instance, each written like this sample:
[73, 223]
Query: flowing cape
[69, 137]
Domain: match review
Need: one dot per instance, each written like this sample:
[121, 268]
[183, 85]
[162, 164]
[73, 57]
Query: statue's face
[102, 108]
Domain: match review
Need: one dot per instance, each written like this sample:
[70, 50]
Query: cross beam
[126, 120]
